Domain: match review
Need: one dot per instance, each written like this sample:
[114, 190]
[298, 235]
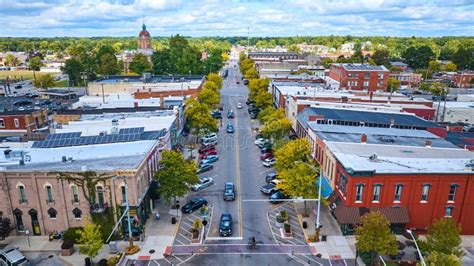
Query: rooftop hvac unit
[373, 157]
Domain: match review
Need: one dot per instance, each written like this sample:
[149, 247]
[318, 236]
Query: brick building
[407, 78]
[360, 76]
[463, 80]
[23, 121]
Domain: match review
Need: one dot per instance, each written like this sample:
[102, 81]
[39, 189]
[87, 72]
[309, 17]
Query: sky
[85, 18]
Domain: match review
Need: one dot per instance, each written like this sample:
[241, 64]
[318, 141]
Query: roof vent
[373, 157]
[22, 162]
[64, 159]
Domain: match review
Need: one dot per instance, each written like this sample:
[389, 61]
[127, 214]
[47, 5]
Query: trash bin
[87, 261]
[305, 225]
[173, 220]
[324, 238]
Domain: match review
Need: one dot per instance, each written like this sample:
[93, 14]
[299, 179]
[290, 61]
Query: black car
[266, 149]
[204, 168]
[193, 205]
[278, 197]
[225, 225]
[253, 115]
[217, 115]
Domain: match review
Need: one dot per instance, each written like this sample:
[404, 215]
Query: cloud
[49, 18]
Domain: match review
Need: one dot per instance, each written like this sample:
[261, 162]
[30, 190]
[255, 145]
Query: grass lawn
[17, 74]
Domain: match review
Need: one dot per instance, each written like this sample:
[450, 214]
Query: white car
[204, 182]
[269, 162]
[260, 141]
[239, 105]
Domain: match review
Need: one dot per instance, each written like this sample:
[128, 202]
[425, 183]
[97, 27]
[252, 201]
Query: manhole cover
[50, 256]
[152, 251]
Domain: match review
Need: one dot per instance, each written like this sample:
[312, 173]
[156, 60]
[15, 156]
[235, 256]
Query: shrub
[72, 234]
[287, 227]
[284, 215]
[67, 244]
[280, 219]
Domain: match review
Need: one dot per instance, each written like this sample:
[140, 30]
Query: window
[49, 195]
[19, 219]
[366, 84]
[77, 213]
[16, 122]
[367, 75]
[380, 75]
[359, 191]
[2, 122]
[342, 183]
[376, 196]
[75, 195]
[352, 83]
[398, 193]
[23, 199]
[452, 192]
[52, 213]
[424, 192]
[449, 211]
[124, 194]
[100, 195]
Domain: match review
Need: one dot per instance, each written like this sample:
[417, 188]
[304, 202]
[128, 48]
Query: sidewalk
[336, 245]
[36, 243]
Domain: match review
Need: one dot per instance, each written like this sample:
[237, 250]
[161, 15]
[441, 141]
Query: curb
[301, 223]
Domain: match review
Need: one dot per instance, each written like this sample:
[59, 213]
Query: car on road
[203, 183]
[269, 162]
[271, 176]
[225, 225]
[230, 114]
[210, 159]
[193, 204]
[10, 255]
[204, 168]
[266, 155]
[278, 197]
[270, 188]
[238, 82]
[230, 128]
[239, 105]
[229, 191]
[207, 153]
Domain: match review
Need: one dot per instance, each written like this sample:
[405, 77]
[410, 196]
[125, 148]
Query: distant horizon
[233, 18]
[242, 37]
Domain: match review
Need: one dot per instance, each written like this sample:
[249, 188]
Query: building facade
[360, 76]
[23, 121]
[464, 80]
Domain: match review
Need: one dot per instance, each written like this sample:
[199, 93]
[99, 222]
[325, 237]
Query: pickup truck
[270, 188]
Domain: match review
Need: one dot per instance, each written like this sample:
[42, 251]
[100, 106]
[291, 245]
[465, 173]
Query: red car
[266, 155]
[209, 152]
[206, 149]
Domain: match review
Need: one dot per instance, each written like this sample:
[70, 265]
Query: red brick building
[23, 121]
[413, 186]
[407, 78]
[463, 80]
[359, 76]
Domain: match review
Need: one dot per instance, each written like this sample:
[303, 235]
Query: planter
[279, 221]
[67, 251]
[130, 250]
[67, 247]
[195, 238]
[287, 230]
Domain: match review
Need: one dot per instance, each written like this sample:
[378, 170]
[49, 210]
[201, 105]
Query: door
[34, 222]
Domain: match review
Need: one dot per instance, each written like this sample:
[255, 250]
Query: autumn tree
[269, 114]
[213, 77]
[298, 150]
[434, 66]
[437, 258]
[276, 129]
[374, 235]
[208, 97]
[251, 73]
[44, 81]
[90, 239]
[199, 118]
[444, 237]
[210, 85]
[437, 89]
[175, 175]
[450, 67]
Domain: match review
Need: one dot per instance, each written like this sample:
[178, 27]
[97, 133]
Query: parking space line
[185, 237]
[179, 241]
[311, 259]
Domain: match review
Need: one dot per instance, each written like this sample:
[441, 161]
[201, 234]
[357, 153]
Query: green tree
[381, 57]
[464, 58]
[357, 57]
[11, 60]
[374, 235]
[251, 73]
[418, 57]
[263, 99]
[276, 129]
[450, 67]
[213, 77]
[326, 62]
[208, 97]
[424, 86]
[210, 85]
[298, 150]
[294, 48]
[175, 175]
[199, 118]
[269, 114]
[35, 64]
[140, 64]
[242, 57]
[393, 84]
[90, 239]
[437, 88]
[73, 68]
[437, 258]
[444, 237]
[44, 81]
[434, 66]
[107, 61]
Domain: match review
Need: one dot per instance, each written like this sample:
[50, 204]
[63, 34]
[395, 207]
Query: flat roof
[362, 67]
[151, 79]
[391, 159]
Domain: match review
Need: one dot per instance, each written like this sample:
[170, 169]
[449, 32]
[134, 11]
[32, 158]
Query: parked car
[265, 149]
[193, 204]
[204, 168]
[230, 128]
[207, 153]
[278, 197]
[206, 148]
[229, 191]
[270, 188]
[210, 159]
[253, 115]
[266, 155]
[271, 176]
[230, 114]
[204, 182]
[12, 256]
[216, 114]
[260, 141]
[208, 142]
[239, 105]
[469, 128]
[225, 225]
[246, 82]
[269, 162]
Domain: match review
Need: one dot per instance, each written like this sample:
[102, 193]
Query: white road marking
[225, 238]
[185, 237]
[179, 241]
[296, 259]
[186, 260]
[311, 259]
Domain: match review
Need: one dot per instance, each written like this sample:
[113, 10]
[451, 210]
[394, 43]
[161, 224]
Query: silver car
[203, 183]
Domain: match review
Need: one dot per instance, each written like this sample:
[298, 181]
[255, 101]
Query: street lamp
[417, 248]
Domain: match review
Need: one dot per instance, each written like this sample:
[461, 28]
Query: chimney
[428, 143]
[363, 139]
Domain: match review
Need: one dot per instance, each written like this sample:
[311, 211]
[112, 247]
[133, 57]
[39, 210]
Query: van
[207, 142]
[10, 256]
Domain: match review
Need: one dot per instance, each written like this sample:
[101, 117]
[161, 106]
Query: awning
[326, 189]
[352, 215]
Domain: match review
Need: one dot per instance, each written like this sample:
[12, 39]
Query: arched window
[77, 213]
[18, 219]
[52, 213]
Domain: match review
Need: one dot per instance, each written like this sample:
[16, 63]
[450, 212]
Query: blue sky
[49, 18]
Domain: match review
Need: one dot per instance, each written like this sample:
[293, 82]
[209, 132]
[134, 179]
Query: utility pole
[248, 37]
